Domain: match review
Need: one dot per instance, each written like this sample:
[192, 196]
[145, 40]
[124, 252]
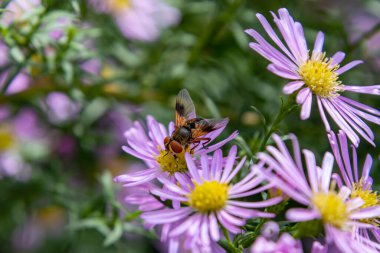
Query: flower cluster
[198, 198]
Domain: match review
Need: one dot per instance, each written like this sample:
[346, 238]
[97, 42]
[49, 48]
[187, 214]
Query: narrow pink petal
[306, 107]
[214, 228]
[257, 204]
[366, 213]
[311, 169]
[318, 44]
[338, 57]
[229, 163]
[192, 168]
[303, 95]
[167, 195]
[282, 72]
[327, 166]
[273, 36]
[291, 87]
[301, 214]
[205, 167]
[216, 146]
[371, 90]
[235, 170]
[348, 66]
[323, 115]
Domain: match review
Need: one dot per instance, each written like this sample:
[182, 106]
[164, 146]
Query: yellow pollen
[118, 5]
[369, 197]
[209, 196]
[6, 138]
[320, 76]
[170, 162]
[331, 207]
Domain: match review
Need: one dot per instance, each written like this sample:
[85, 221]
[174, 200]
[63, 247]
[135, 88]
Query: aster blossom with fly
[338, 213]
[210, 199]
[313, 73]
[155, 146]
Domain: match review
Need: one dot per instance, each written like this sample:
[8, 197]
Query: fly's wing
[206, 126]
[184, 108]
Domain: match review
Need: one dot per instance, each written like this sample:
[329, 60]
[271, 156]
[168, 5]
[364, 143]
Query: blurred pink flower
[140, 20]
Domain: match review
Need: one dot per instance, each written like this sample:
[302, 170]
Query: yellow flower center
[209, 196]
[320, 76]
[117, 5]
[369, 197]
[6, 138]
[170, 162]
[331, 207]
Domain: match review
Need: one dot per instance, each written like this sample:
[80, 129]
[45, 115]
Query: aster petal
[318, 44]
[226, 224]
[138, 154]
[366, 213]
[184, 226]
[214, 228]
[282, 72]
[291, 87]
[257, 204]
[166, 215]
[306, 107]
[340, 121]
[348, 66]
[301, 214]
[354, 204]
[327, 166]
[311, 169]
[239, 211]
[205, 167]
[371, 90]
[192, 168]
[361, 106]
[235, 170]
[216, 146]
[205, 230]
[216, 164]
[167, 195]
[337, 58]
[323, 116]
[229, 163]
[239, 194]
[231, 218]
[273, 36]
[303, 95]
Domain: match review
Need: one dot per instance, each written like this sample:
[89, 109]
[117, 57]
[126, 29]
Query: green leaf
[97, 223]
[115, 234]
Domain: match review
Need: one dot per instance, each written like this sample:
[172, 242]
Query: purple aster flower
[16, 9]
[210, 200]
[285, 244]
[140, 20]
[315, 73]
[339, 213]
[149, 147]
[60, 107]
[360, 187]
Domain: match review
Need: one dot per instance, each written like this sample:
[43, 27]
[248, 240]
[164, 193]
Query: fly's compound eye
[166, 140]
[176, 147]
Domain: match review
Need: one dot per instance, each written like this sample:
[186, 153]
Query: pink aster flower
[360, 187]
[285, 244]
[148, 145]
[140, 20]
[210, 200]
[315, 74]
[338, 213]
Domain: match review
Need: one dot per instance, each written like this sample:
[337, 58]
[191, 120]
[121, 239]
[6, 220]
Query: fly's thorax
[182, 135]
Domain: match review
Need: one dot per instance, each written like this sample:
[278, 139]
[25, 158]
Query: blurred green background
[57, 164]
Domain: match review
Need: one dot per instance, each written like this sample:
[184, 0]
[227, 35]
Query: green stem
[286, 108]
